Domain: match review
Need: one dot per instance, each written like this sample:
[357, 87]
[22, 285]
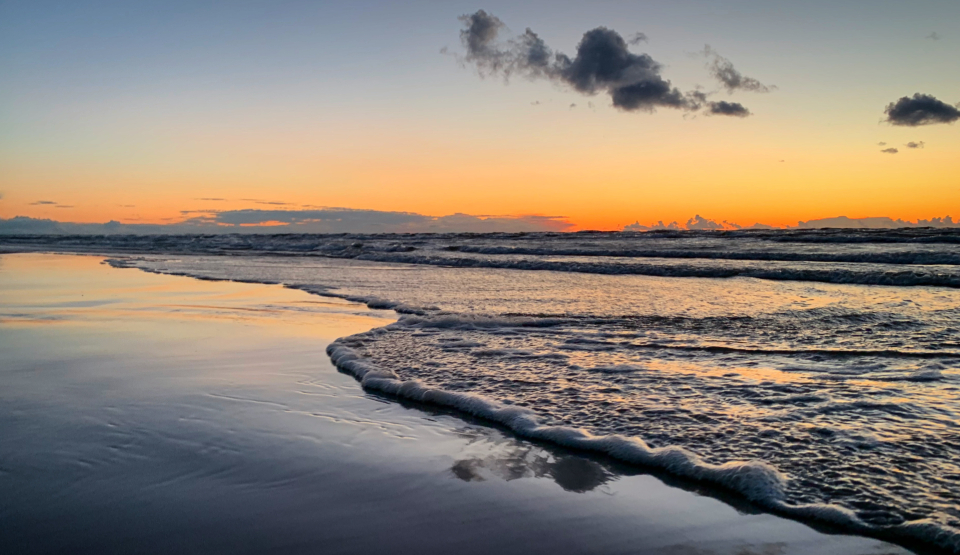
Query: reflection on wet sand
[512, 460]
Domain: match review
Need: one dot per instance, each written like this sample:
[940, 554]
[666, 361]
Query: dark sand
[154, 414]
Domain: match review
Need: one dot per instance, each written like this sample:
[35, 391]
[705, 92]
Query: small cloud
[573, 105]
[64, 206]
[921, 109]
[890, 151]
[913, 144]
[637, 38]
[783, 160]
[881, 143]
[535, 103]
[933, 36]
[699, 222]
[723, 71]
[723, 108]
[212, 199]
[127, 205]
[43, 203]
[268, 202]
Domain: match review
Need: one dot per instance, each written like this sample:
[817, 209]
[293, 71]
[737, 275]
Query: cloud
[659, 226]
[917, 144]
[324, 220]
[699, 222]
[921, 109]
[345, 220]
[696, 223]
[703, 224]
[933, 36]
[1, 195]
[881, 143]
[43, 203]
[723, 108]
[723, 71]
[268, 202]
[212, 199]
[64, 206]
[603, 64]
[881, 222]
[637, 38]
[890, 151]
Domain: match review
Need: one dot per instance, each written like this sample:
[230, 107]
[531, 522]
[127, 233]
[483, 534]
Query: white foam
[757, 481]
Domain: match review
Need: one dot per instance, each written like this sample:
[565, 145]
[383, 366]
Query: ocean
[814, 372]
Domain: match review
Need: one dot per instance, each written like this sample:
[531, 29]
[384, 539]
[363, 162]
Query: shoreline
[753, 482]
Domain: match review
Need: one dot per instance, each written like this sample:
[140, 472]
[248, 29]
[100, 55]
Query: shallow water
[848, 393]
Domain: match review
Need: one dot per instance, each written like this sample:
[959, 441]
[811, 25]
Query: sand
[142, 413]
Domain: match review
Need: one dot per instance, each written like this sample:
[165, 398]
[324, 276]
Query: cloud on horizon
[324, 220]
[603, 64]
[696, 223]
[342, 220]
[840, 222]
[921, 109]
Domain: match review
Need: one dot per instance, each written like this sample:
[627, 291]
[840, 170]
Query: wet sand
[143, 413]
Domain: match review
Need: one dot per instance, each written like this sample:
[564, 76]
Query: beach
[155, 414]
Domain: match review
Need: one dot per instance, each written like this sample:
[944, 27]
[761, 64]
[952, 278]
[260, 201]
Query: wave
[710, 254]
[895, 258]
[757, 481]
[901, 278]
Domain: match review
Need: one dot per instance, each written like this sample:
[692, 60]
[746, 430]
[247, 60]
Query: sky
[165, 112]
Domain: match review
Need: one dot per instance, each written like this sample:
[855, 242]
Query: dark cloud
[637, 38]
[881, 143]
[723, 108]
[890, 151]
[43, 203]
[723, 71]
[603, 64]
[920, 109]
[64, 206]
[479, 36]
[933, 36]
[915, 144]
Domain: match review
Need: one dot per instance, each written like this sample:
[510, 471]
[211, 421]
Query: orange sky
[137, 127]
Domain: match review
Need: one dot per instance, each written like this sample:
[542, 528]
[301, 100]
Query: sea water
[817, 373]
